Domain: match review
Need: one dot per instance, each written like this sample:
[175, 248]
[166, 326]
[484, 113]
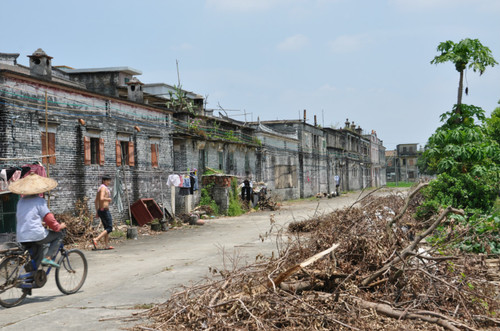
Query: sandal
[110, 247]
[94, 243]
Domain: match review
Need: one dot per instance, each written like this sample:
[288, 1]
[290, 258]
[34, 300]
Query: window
[50, 149]
[124, 153]
[231, 167]
[247, 164]
[404, 162]
[203, 159]
[155, 148]
[221, 160]
[93, 150]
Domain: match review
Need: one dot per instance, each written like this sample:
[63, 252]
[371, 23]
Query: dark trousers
[54, 239]
[246, 193]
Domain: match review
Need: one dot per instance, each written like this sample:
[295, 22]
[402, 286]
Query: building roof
[27, 77]
[162, 90]
[127, 70]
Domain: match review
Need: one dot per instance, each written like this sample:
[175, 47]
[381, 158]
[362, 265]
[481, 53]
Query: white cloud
[293, 43]
[347, 44]
[243, 5]
[182, 47]
[423, 5]
[412, 5]
[262, 5]
[328, 88]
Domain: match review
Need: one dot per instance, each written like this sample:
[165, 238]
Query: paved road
[144, 271]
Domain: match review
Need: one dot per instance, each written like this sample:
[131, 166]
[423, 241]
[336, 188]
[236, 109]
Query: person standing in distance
[337, 184]
[102, 201]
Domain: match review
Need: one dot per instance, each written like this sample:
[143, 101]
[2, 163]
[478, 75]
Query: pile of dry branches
[79, 227]
[348, 270]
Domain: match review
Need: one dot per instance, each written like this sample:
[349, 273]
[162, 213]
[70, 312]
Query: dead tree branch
[407, 203]
[391, 312]
[410, 248]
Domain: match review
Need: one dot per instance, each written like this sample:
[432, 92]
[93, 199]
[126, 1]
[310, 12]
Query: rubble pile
[268, 203]
[79, 230]
[345, 271]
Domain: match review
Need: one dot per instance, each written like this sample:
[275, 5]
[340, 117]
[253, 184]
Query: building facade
[45, 111]
[84, 123]
[402, 163]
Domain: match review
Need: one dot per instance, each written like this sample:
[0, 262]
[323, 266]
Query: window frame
[155, 154]
[124, 152]
[93, 150]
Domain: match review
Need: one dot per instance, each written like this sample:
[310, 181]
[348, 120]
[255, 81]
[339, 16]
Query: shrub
[207, 200]
[476, 233]
[235, 207]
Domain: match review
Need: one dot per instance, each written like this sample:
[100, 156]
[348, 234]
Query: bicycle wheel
[72, 272]
[10, 293]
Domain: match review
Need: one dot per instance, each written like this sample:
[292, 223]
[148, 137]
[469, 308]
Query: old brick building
[105, 121]
[89, 133]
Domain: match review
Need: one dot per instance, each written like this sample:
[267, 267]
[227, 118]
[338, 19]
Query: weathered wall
[278, 164]
[23, 120]
[312, 157]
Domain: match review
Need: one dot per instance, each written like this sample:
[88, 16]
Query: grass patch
[400, 184]
[117, 234]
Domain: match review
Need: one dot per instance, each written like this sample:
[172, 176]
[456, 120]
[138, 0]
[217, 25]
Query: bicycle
[19, 273]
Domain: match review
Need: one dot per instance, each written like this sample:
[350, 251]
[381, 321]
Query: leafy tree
[461, 151]
[493, 125]
[465, 159]
[423, 164]
[178, 101]
[468, 53]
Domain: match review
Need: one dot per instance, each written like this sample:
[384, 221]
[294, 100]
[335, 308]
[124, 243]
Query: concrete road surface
[144, 271]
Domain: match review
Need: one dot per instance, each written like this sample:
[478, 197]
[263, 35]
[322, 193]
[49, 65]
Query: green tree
[461, 151]
[465, 159]
[178, 101]
[493, 125]
[468, 53]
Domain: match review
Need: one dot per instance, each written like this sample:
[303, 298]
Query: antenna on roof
[178, 76]
[218, 104]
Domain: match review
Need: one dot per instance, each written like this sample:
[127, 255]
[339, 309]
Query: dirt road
[144, 271]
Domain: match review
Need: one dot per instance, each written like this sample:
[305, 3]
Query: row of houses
[402, 163]
[83, 123]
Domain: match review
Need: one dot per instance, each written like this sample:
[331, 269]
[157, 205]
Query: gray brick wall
[22, 118]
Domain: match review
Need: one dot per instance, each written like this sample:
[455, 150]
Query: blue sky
[366, 60]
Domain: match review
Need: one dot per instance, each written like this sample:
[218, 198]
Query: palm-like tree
[468, 53]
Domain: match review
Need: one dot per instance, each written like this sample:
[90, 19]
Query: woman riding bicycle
[32, 213]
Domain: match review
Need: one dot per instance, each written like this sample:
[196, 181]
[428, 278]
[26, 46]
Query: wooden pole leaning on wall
[126, 192]
[47, 145]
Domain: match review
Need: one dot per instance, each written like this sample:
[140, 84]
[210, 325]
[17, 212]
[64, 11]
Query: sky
[365, 60]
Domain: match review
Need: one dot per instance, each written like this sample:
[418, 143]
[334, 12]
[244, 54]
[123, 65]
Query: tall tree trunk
[460, 91]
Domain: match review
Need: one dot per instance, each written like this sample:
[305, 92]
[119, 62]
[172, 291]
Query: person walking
[102, 201]
[337, 184]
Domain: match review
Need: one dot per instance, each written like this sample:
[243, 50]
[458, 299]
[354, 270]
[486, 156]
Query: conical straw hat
[32, 184]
